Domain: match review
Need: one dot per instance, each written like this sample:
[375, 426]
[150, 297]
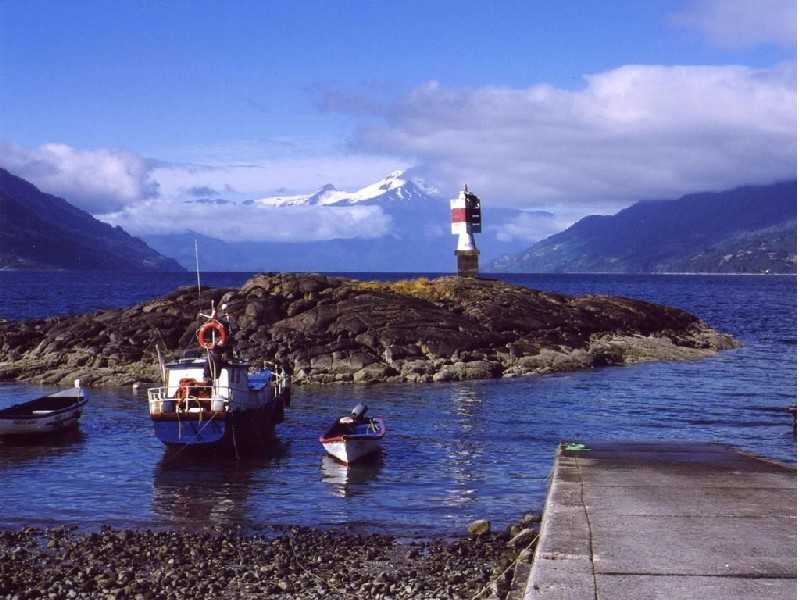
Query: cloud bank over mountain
[146, 196]
[637, 131]
[98, 181]
[249, 222]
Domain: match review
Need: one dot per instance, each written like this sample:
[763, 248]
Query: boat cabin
[230, 380]
[195, 385]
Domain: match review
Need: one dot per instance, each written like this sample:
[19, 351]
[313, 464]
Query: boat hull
[220, 430]
[348, 441]
[48, 421]
[350, 451]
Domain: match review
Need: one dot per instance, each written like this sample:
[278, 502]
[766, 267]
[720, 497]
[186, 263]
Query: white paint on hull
[57, 422]
[349, 451]
[46, 421]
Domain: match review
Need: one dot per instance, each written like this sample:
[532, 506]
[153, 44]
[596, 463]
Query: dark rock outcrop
[332, 330]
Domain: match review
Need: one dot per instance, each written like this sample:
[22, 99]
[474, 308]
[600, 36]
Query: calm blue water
[453, 452]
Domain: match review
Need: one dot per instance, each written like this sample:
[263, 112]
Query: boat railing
[280, 380]
[187, 400]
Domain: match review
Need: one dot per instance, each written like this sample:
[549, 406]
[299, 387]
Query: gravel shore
[296, 562]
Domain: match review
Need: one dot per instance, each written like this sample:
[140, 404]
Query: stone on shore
[338, 330]
[479, 528]
[530, 519]
[214, 562]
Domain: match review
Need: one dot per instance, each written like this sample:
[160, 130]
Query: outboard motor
[359, 412]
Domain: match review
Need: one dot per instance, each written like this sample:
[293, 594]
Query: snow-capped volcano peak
[396, 186]
[393, 181]
[325, 192]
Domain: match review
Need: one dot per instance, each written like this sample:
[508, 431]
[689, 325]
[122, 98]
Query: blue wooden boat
[213, 400]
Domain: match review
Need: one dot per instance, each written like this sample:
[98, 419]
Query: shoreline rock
[338, 330]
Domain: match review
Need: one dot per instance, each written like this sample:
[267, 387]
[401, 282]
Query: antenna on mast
[197, 267]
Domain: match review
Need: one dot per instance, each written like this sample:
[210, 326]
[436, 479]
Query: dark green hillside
[42, 231]
[771, 249]
[755, 225]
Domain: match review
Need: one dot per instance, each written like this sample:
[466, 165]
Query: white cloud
[742, 23]
[251, 222]
[94, 180]
[631, 133]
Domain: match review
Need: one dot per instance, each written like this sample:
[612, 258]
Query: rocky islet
[339, 330]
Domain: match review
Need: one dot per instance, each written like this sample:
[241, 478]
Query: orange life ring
[208, 342]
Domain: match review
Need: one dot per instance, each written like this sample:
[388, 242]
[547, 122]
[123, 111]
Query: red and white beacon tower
[465, 221]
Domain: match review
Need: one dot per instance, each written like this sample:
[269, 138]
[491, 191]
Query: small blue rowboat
[354, 437]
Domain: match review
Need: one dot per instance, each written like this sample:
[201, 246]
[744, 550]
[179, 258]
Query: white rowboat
[352, 438]
[48, 414]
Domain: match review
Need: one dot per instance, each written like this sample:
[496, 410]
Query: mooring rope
[513, 563]
[186, 446]
[516, 560]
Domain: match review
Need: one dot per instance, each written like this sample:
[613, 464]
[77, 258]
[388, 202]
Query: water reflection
[466, 450]
[350, 480]
[192, 490]
[16, 451]
[467, 404]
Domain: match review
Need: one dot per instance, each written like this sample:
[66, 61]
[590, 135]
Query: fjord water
[453, 452]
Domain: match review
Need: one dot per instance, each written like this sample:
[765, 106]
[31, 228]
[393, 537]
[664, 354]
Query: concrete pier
[671, 521]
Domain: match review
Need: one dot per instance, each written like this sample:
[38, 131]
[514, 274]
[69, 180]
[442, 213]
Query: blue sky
[313, 90]
[157, 76]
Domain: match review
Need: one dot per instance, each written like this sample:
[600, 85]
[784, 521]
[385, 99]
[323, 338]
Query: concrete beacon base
[467, 262]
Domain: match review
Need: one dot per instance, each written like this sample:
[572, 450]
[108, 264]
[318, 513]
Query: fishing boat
[49, 414]
[213, 399]
[355, 436]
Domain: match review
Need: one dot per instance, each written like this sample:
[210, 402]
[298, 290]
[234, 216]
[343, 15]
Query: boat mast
[197, 267]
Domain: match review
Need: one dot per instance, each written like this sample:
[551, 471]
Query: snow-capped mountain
[417, 239]
[396, 186]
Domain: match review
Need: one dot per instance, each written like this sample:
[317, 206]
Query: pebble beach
[293, 562]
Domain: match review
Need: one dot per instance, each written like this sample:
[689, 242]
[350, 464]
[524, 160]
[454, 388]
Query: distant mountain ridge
[418, 239]
[751, 229]
[45, 232]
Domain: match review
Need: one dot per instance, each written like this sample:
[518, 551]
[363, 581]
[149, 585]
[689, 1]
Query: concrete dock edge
[669, 520]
